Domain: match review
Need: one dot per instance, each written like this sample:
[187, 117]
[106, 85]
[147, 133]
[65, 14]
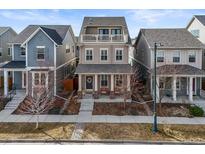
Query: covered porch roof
[104, 69]
[14, 65]
[179, 70]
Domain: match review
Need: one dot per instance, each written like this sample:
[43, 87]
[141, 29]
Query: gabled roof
[56, 32]
[201, 18]
[3, 30]
[171, 38]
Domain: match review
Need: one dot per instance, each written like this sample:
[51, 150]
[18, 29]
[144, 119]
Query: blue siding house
[38, 53]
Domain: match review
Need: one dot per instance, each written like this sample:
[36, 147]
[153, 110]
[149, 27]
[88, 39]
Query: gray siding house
[103, 57]
[179, 62]
[6, 36]
[41, 57]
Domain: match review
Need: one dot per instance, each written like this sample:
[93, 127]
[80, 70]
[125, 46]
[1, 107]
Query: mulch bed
[119, 109]
[172, 109]
[73, 108]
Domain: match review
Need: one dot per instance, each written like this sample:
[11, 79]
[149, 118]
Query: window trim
[176, 57]
[101, 81]
[116, 54]
[163, 56]
[190, 54]
[86, 54]
[101, 54]
[23, 55]
[9, 51]
[40, 47]
[39, 79]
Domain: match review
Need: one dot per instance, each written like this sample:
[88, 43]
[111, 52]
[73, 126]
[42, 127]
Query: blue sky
[136, 19]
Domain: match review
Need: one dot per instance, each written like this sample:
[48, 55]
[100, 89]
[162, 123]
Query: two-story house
[103, 52]
[178, 60]
[40, 56]
[6, 36]
[197, 27]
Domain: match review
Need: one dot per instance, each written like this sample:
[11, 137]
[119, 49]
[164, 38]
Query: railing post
[96, 38]
[111, 38]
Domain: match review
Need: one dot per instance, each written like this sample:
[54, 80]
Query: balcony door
[103, 34]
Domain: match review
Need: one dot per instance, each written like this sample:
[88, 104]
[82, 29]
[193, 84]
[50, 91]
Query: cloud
[153, 16]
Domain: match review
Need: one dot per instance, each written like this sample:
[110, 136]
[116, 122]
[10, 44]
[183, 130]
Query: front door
[89, 82]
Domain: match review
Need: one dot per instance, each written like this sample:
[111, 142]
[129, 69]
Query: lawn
[142, 132]
[47, 131]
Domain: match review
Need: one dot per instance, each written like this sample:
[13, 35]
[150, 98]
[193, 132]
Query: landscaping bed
[119, 109]
[46, 131]
[144, 132]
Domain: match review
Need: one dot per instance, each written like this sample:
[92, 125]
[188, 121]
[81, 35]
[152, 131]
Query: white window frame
[192, 53]
[39, 79]
[116, 54]
[103, 49]
[86, 54]
[101, 76]
[40, 47]
[175, 54]
[115, 78]
[23, 55]
[158, 55]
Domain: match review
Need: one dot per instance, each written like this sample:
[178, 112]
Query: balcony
[95, 38]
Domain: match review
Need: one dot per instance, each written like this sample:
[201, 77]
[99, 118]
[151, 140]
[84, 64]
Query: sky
[136, 19]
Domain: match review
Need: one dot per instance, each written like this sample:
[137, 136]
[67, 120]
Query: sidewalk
[99, 119]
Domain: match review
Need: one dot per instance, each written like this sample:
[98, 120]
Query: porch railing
[104, 38]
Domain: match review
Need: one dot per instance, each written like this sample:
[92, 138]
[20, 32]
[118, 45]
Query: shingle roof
[104, 68]
[201, 18]
[3, 29]
[56, 32]
[179, 70]
[15, 64]
[171, 38]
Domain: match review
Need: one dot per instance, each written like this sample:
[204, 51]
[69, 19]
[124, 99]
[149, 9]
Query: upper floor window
[118, 54]
[192, 56]
[89, 54]
[104, 54]
[103, 31]
[23, 51]
[176, 57]
[104, 81]
[40, 52]
[116, 31]
[160, 56]
[67, 50]
[195, 32]
[9, 50]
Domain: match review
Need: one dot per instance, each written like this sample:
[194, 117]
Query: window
[192, 57]
[160, 56]
[67, 50]
[195, 32]
[118, 80]
[103, 31]
[9, 51]
[178, 84]
[23, 51]
[0, 52]
[89, 54]
[104, 54]
[40, 53]
[104, 81]
[118, 53]
[116, 31]
[176, 57]
[39, 79]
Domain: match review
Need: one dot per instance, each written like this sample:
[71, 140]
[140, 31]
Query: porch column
[191, 89]
[79, 82]
[157, 88]
[128, 83]
[96, 82]
[174, 88]
[5, 82]
[112, 82]
[55, 87]
[27, 90]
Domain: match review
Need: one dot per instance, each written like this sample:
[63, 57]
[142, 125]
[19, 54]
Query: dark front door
[89, 82]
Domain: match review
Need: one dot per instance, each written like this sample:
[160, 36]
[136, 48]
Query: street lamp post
[155, 88]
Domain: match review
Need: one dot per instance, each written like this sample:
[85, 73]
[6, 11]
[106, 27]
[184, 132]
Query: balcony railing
[90, 38]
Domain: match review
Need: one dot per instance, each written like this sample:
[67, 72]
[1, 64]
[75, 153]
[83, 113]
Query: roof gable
[3, 30]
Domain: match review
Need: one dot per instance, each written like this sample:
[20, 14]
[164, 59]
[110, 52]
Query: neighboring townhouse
[103, 52]
[179, 61]
[197, 27]
[6, 35]
[41, 57]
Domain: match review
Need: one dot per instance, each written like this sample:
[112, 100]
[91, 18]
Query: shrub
[196, 111]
